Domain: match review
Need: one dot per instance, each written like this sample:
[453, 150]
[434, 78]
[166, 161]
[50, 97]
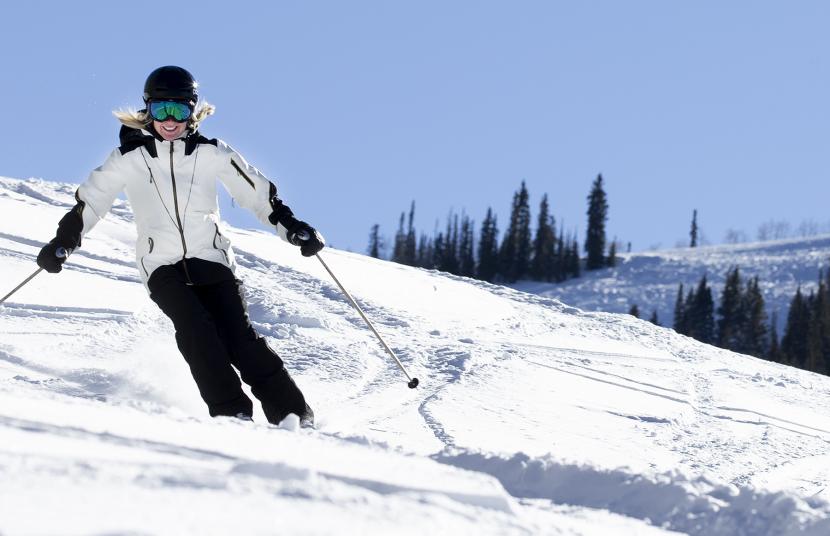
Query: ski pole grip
[62, 253]
[302, 235]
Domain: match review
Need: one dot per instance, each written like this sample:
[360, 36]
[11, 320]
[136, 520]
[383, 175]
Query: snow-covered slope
[650, 280]
[532, 417]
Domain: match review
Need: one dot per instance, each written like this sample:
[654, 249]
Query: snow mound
[673, 500]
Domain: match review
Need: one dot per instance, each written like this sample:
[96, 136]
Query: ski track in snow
[593, 423]
[455, 359]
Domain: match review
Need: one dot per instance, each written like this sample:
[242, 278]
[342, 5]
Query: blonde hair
[141, 119]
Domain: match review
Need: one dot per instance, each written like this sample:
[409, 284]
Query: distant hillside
[650, 280]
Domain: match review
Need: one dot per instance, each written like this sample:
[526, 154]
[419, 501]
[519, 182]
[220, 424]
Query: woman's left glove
[304, 235]
[48, 258]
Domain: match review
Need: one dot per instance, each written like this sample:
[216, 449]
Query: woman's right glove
[304, 235]
[297, 232]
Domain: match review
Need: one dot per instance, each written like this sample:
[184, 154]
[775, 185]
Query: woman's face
[169, 129]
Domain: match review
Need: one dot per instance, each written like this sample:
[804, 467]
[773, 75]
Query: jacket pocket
[218, 237]
[150, 241]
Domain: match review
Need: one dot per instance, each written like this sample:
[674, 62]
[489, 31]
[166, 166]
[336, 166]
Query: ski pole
[61, 253]
[413, 382]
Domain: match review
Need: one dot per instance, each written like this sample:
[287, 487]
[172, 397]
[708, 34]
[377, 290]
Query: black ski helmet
[173, 83]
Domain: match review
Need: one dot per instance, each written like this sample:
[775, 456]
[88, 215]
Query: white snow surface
[532, 417]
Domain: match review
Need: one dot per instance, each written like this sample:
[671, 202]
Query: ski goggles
[175, 110]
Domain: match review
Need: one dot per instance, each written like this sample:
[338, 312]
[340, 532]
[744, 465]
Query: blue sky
[356, 108]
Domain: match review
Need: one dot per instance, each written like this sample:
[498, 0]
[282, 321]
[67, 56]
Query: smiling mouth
[170, 128]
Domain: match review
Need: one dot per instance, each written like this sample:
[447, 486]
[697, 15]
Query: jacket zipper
[150, 240]
[178, 218]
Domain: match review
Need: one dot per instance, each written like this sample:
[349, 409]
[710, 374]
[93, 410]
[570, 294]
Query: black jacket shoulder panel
[195, 138]
[132, 138]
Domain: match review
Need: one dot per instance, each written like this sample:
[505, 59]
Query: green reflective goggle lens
[164, 110]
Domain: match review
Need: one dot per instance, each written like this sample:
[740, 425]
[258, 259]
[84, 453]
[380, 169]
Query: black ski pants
[214, 334]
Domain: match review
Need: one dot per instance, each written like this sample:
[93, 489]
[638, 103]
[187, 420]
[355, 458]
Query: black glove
[304, 235]
[48, 257]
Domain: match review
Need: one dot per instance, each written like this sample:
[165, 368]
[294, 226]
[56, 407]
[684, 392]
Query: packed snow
[532, 417]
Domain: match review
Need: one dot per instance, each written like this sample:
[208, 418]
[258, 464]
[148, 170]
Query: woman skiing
[168, 171]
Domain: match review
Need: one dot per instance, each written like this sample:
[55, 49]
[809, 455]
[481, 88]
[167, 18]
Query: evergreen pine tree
[398, 251]
[410, 246]
[701, 313]
[439, 245]
[574, 268]
[516, 247]
[553, 252]
[374, 242]
[488, 249]
[814, 361]
[680, 317]
[612, 254]
[456, 243]
[634, 311]
[466, 254]
[597, 217]
[523, 238]
[730, 313]
[693, 232]
[707, 313]
[754, 332]
[507, 251]
[654, 320]
[794, 342]
[544, 245]
[424, 257]
[823, 312]
[688, 309]
[449, 258]
[561, 261]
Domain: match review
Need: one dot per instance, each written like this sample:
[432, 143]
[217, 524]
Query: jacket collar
[133, 138]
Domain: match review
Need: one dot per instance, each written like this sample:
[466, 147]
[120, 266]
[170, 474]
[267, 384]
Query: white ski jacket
[171, 186]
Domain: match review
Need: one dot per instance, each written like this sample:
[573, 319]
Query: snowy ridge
[533, 417]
